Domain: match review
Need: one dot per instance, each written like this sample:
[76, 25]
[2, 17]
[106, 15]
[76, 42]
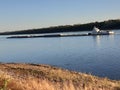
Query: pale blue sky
[28, 14]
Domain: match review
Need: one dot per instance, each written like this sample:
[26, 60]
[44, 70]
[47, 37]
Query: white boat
[97, 31]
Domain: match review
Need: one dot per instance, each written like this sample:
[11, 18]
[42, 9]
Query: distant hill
[105, 25]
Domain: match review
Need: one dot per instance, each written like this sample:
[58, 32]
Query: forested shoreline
[105, 25]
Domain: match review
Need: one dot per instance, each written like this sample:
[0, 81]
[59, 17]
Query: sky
[30, 14]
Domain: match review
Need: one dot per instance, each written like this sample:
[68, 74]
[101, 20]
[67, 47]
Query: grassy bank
[45, 77]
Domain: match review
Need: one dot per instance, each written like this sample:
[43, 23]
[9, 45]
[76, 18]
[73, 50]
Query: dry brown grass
[45, 77]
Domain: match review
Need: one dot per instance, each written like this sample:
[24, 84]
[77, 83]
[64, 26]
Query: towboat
[97, 31]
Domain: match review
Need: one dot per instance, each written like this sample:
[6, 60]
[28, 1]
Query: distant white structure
[97, 31]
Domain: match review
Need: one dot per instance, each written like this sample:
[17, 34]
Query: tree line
[105, 25]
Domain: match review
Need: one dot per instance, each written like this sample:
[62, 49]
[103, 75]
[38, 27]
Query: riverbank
[44, 77]
[104, 25]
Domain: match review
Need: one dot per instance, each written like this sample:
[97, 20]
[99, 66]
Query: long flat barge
[51, 35]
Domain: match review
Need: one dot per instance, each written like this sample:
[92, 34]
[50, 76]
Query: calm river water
[98, 55]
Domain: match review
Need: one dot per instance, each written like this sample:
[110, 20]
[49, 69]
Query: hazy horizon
[23, 14]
